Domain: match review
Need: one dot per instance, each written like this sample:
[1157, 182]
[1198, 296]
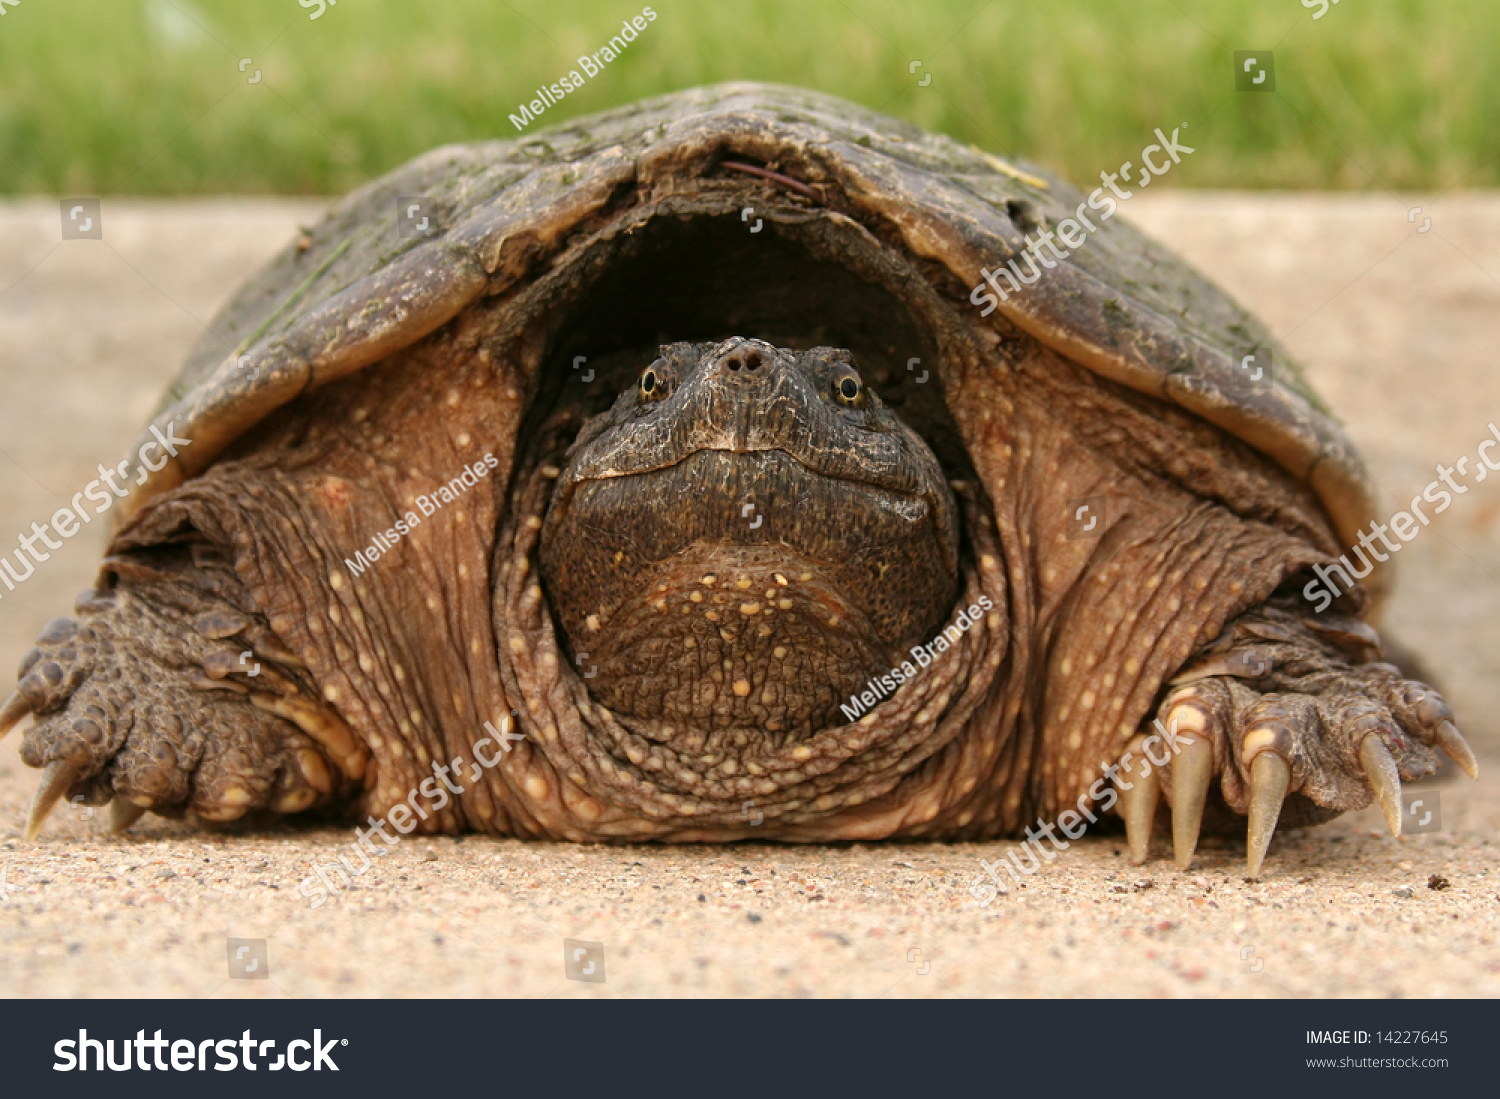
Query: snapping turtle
[699, 471]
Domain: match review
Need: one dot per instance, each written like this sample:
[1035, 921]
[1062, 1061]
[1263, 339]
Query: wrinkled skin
[946, 508]
[672, 724]
[694, 611]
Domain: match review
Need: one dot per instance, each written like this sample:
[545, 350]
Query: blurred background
[146, 97]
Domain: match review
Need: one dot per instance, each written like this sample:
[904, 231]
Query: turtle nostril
[746, 365]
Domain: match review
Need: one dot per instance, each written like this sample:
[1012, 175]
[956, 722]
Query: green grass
[145, 97]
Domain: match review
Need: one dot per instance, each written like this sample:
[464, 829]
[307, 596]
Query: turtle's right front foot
[162, 695]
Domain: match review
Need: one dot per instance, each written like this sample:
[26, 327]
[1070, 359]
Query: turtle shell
[510, 212]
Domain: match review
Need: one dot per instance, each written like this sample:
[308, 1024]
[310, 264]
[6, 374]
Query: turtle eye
[653, 385]
[848, 388]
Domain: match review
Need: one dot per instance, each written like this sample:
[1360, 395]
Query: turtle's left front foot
[1301, 722]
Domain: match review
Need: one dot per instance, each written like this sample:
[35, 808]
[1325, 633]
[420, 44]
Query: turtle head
[745, 538]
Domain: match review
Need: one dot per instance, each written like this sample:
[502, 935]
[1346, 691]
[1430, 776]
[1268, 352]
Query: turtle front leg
[1300, 720]
[167, 693]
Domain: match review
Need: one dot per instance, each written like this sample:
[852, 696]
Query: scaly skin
[673, 722]
[850, 559]
[368, 369]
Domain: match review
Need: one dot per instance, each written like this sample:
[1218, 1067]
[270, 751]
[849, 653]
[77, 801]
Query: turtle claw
[1380, 768]
[122, 814]
[1192, 773]
[56, 779]
[1270, 778]
[1138, 795]
[1451, 741]
[128, 700]
[1287, 723]
[16, 707]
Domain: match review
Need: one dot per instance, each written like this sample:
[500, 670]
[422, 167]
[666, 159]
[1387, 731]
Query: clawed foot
[1296, 728]
[160, 697]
